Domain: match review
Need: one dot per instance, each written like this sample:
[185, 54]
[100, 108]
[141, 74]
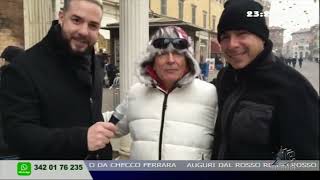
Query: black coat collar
[58, 45]
[83, 65]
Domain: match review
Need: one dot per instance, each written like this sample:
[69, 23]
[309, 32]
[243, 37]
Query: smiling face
[170, 67]
[240, 47]
[80, 25]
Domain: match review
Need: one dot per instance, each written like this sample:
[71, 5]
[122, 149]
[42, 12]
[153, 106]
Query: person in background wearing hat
[169, 114]
[9, 53]
[51, 96]
[267, 110]
[7, 56]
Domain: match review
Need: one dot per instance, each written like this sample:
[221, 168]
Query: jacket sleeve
[298, 117]
[25, 132]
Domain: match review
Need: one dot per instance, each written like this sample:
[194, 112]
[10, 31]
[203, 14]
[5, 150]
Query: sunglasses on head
[178, 43]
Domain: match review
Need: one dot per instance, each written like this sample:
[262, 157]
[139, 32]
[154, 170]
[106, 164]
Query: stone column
[134, 36]
[38, 15]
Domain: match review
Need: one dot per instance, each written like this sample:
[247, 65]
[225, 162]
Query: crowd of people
[292, 61]
[51, 96]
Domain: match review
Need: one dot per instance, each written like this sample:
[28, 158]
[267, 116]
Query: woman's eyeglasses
[178, 43]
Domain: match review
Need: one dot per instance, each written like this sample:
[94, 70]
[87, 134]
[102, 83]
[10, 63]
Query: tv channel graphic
[44, 169]
[24, 168]
[93, 169]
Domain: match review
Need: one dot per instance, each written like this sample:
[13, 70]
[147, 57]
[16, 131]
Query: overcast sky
[293, 15]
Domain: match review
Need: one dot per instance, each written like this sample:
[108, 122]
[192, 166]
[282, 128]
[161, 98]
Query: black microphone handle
[114, 120]
[95, 155]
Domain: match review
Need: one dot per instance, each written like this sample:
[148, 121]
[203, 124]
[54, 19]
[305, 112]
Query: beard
[69, 40]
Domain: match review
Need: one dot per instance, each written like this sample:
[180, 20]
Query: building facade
[276, 36]
[204, 14]
[287, 50]
[23, 23]
[301, 43]
[266, 8]
[314, 43]
[11, 24]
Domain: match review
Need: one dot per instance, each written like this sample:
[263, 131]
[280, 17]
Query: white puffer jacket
[169, 126]
[174, 126]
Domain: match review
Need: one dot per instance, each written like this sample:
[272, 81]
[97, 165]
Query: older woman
[170, 114]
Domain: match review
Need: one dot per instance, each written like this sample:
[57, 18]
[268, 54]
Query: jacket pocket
[251, 123]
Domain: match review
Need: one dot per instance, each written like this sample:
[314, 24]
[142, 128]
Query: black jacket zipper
[164, 107]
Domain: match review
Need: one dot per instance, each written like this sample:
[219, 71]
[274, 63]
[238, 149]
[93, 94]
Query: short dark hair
[66, 5]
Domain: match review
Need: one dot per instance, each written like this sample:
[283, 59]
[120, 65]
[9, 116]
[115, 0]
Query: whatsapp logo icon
[24, 168]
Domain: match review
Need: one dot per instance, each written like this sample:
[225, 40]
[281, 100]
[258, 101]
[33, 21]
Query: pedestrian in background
[169, 114]
[286, 60]
[300, 62]
[289, 61]
[218, 63]
[266, 109]
[294, 62]
[111, 72]
[7, 56]
[204, 66]
[52, 94]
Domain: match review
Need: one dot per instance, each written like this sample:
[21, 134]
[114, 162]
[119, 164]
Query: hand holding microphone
[100, 133]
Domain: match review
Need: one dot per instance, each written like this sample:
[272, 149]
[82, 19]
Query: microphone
[116, 117]
[119, 112]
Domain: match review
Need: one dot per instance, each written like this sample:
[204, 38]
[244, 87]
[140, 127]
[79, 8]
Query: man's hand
[99, 135]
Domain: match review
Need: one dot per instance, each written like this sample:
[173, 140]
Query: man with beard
[51, 98]
[267, 110]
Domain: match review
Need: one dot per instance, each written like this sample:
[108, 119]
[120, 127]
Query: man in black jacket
[51, 98]
[267, 110]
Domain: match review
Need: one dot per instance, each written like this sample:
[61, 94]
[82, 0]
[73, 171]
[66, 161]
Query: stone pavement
[310, 70]
[108, 101]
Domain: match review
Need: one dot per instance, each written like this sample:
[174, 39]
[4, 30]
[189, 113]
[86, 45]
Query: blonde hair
[67, 4]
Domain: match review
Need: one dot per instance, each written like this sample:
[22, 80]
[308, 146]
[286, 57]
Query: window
[205, 19]
[181, 9]
[164, 7]
[213, 23]
[194, 8]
